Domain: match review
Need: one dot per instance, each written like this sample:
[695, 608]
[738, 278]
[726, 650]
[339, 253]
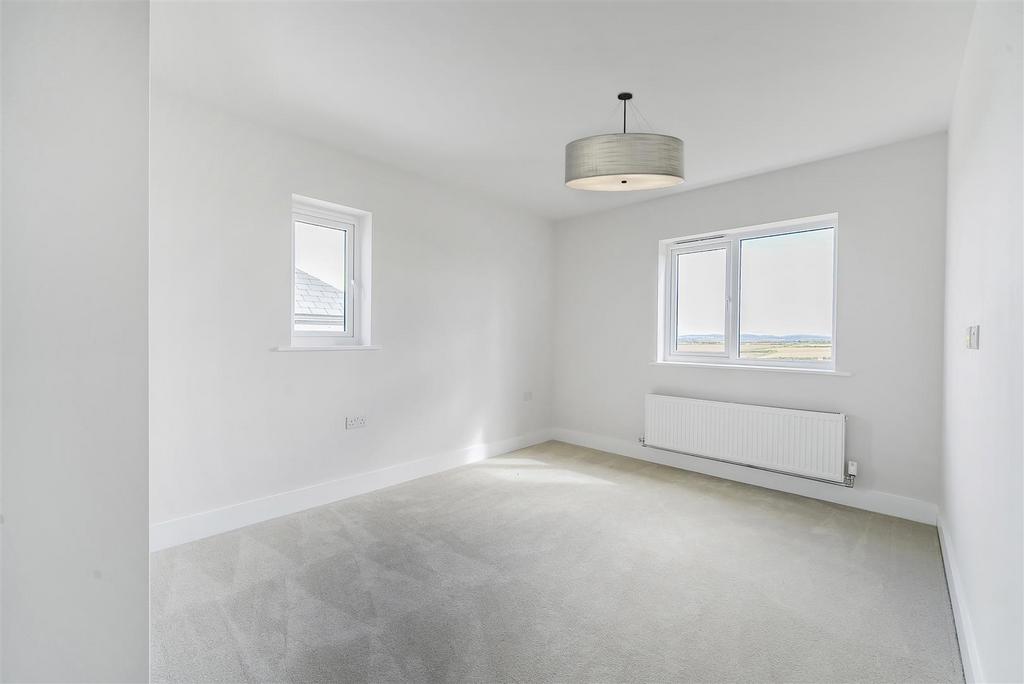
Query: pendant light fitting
[624, 161]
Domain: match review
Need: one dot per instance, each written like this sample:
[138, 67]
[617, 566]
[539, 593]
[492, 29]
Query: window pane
[786, 296]
[700, 305]
[319, 278]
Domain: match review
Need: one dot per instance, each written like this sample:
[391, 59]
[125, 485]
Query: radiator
[803, 443]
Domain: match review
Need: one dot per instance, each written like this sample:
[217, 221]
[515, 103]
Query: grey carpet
[557, 563]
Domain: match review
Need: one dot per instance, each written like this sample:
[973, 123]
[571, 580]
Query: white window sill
[331, 347]
[743, 366]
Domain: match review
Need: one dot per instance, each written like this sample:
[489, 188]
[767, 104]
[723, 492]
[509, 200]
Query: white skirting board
[866, 499]
[961, 616]
[208, 523]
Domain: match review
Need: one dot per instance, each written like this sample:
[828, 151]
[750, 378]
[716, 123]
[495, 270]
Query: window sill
[332, 347]
[743, 366]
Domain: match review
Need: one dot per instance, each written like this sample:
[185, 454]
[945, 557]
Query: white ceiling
[485, 95]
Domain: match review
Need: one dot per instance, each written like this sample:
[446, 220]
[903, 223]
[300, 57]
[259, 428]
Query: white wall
[891, 205]
[983, 448]
[461, 307]
[75, 562]
[1, 349]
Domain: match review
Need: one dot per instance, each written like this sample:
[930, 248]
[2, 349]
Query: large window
[761, 296]
[329, 274]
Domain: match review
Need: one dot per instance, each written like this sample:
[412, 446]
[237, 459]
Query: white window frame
[729, 240]
[357, 226]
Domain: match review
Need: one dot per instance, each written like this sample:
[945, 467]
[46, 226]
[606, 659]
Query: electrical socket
[354, 422]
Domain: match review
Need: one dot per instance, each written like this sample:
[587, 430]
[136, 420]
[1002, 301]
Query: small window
[330, 294]
[702, 295]
[760, 296]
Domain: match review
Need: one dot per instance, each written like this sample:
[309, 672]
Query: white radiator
[804, 443]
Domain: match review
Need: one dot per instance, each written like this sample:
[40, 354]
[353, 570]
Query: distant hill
[767, 339]
[786, 339]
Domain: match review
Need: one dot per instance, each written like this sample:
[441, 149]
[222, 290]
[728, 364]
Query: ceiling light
[624, 161]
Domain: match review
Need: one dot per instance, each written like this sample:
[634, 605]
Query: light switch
[973, 333]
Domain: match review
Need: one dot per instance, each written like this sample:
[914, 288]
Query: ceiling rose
[624, 161]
